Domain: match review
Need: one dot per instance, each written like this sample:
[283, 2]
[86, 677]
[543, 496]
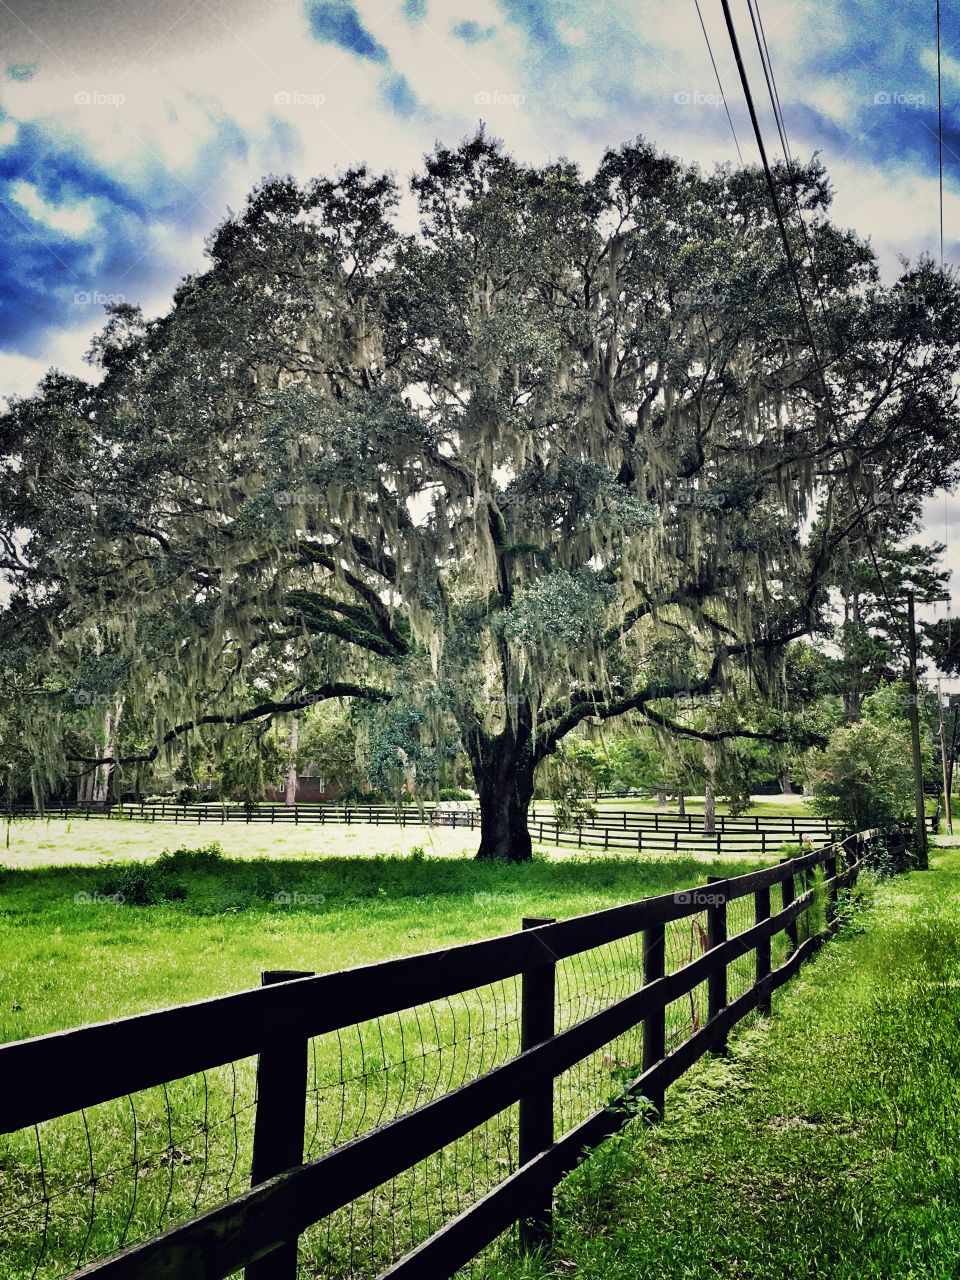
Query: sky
[129, 130]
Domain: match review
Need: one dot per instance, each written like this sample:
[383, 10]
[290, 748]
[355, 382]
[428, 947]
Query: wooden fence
[53, 1075]
[656, 832]
[456, 814]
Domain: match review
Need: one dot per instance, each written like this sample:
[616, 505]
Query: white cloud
[20, 374]
[73, 219]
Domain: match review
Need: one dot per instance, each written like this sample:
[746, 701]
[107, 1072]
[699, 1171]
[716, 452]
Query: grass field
[66, 960]
[54, 842]
[778, 1140]
[827, 1143]
[69, 956]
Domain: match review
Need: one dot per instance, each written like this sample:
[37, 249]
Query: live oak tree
[547, 459]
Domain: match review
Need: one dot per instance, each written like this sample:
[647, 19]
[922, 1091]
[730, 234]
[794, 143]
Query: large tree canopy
[561, 453]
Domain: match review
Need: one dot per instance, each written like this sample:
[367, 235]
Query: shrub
[864, 776]
[144, 884]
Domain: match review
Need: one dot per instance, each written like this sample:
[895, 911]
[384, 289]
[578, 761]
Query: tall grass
[826, 1144]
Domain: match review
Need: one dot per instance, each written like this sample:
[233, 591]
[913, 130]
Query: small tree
[864, 777]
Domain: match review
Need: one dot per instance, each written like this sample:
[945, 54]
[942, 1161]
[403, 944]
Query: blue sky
[128, 130]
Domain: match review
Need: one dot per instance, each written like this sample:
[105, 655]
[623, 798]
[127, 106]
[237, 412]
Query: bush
[453, 793]
[864, 776]
[144, 884]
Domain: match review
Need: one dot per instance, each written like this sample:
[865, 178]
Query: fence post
[537, 1011]
[654, 1024]
[830, 892]
[717, 982]
[850, 856]
[786, 891]
[279, 1125]
[761, 912]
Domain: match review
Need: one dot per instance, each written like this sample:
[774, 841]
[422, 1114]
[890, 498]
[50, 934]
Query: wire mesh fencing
[81, 1186]
[84, 1185]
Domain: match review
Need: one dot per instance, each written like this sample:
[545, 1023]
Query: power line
[768, 76]
[792, 267]
[723, 96]
[940, 133]
[765, 61]
[777, 108]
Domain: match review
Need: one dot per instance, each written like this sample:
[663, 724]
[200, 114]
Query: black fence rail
[395, 1119]
[660, 820]
[454, 815]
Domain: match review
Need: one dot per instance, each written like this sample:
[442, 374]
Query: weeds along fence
[399, 1119]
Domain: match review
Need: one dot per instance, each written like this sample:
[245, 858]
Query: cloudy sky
[127, 130]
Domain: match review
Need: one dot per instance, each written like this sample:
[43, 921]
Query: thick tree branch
[323, 694]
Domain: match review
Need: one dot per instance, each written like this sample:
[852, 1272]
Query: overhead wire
[940, 134]
[801, 301]
[723, 96]
[753, 7]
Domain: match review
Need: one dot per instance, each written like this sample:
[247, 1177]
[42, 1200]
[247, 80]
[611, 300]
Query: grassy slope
[828, 1143]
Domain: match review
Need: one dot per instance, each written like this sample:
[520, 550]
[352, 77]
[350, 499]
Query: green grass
[67, 962]
[69, 957]
[827, 1143]
[766, 806]
[52, 841]
[89, 842]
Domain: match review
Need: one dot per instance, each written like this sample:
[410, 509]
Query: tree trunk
[709, 809]
[503, 769]
[681, 804]
[853, 701]
[709, 796]
[786, 786]
[290, 791]
[101, 790]
[661, 799]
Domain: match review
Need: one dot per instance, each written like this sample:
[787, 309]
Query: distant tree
[864, 776]
[871, 638]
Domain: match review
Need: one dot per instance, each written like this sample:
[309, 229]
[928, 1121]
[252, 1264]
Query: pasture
[69, 958]
[194, 924]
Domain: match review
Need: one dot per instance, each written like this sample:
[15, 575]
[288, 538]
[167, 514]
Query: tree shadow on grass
[203, 881]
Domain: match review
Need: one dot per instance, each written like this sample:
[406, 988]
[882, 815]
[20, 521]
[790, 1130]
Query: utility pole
[922, 858]
[945, 760]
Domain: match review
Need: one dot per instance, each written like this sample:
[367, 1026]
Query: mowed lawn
[69, 957]
[89, 841]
